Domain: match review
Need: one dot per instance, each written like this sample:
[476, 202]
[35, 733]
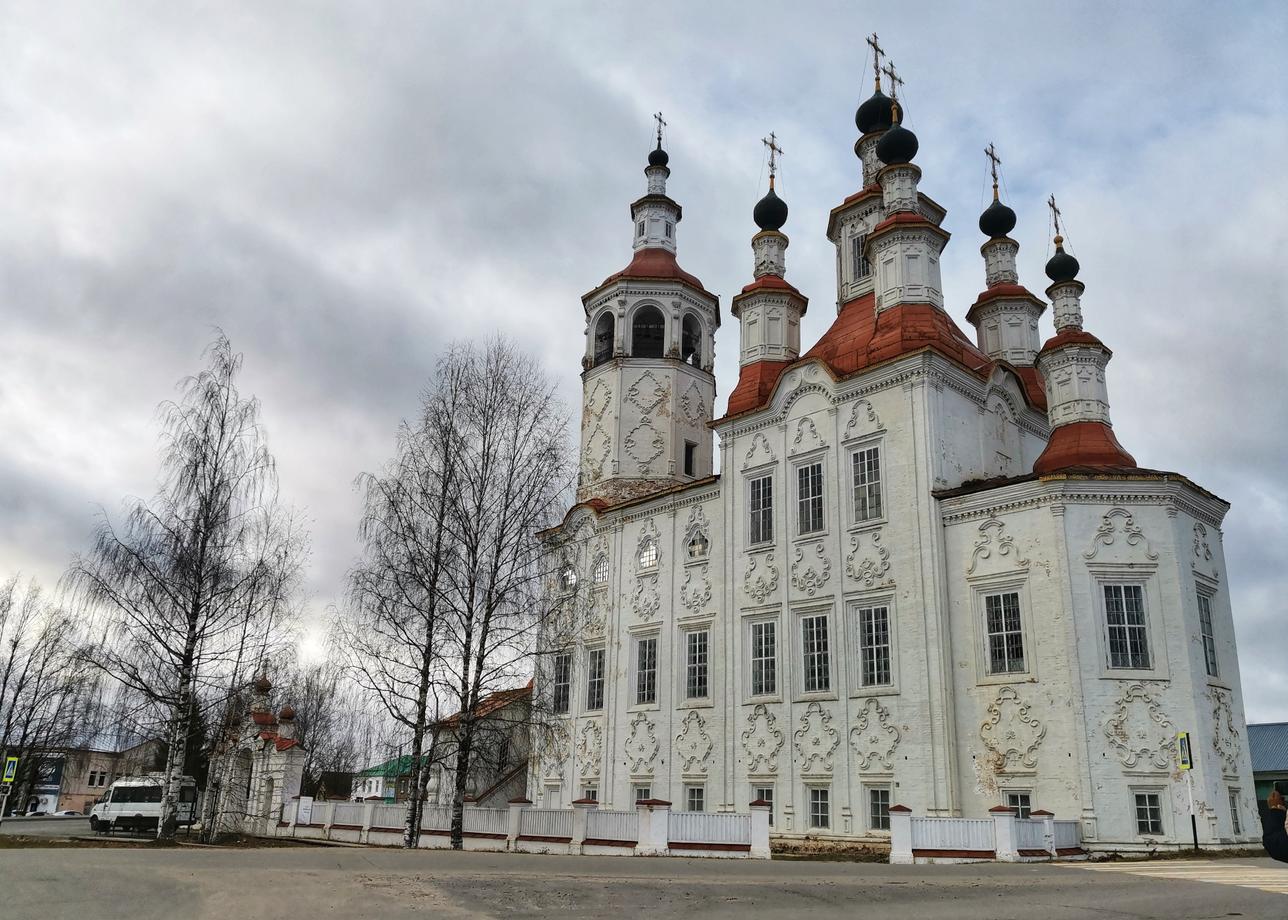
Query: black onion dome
[875, 114]
[1061, 266]
[997, 220]
[898, 145]
[771, 212]
[658, 157]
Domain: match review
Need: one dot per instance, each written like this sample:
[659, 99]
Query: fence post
[759, 829]
[580, 810]
[295, 812]
[654, 827]
[1004, 833]
[326, 823]
[900, 835]
[368, 812]
[516, 821]
[1048, 828]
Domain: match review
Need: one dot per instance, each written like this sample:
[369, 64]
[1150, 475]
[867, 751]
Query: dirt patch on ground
[20, 842]
[828, 850]
[1159, 855]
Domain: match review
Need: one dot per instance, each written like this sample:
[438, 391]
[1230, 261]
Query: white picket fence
[545, 822]
[612, 825]
[705, 827]
[1030, 834]
[1068, 835]
[648, 830]
[974, 834]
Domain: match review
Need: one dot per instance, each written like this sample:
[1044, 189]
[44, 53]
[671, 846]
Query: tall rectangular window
[1209, 635]
[874, 646]
[765, 794]
[809, 498]
[760, 505]
[820, 808]
[1128, 631]
[764, 658]
[595, 679]
[1005, 635]
[816, 654]
[879, 808]
[690, 458]
[867, 483]
[1149, 813]
[562, 682]
[1236, 824]
[646, 671]
[859, 257]
[695, 798]
[696, 644]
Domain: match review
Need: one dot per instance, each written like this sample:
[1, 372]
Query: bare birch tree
[180, 578]
[512, 451]
[390, 630]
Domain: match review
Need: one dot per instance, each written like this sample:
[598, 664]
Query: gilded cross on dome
[877, 54]
[774, 153]
[895, 82]
[661, 123]
[991, 152]
[1055, 217]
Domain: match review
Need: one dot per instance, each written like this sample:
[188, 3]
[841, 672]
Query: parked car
[67, 814]
[134, 803]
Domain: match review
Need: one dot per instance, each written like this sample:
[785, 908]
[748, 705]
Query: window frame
[1006, 631]
[856, 607]
[853, 452]
[874, 822]
[799, 467]
[641, 793]
[634, 321]
[698, 789]
[566, 683]
[802, 688]
[1207, 634]
[775, 665]
[983, 587]
[758, 790]
[766, 513]
[691, 458]
[600, 565]
[691, 668]
[1236, 818]
[638, 643]
[811, 811]
[648, 544]
[1161, 793]
[1021, 811]
[1143, 575]
[1144, 625]
[600, 653]
[859, 256]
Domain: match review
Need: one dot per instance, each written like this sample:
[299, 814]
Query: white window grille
[858, 257]
[1022, 802]
[874, 646]
[568, 578]
[867, 484]
[699, 546]
[764, 658]
[648, 554]
[820, 807]
[562, 682]
[1128, 630]
[695, 798]
[879, 808]
[643, 793]
[590, 792]
[765, 794]
[646, 671]
[595, 679]
[599, 574]
[816, 654]
[760, 503]
[1209, 635]
[697, 653]
[1005, 633]
[1236, 823]
[1149, 813]
[809, 498]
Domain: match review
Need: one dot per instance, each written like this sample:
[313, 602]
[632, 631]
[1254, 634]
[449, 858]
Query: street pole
[1194, 821]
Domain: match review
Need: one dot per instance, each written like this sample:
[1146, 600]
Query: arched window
[691, 340]
[599, 574]
[568, 578]
[604, 337]
[648, 554]
[648, 333]
[699, 545]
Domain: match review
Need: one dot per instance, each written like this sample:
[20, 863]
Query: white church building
[927, 573]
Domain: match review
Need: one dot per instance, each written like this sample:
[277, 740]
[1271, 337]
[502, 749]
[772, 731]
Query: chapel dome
[875, 114]
[898, 145]
[1061, 266]
[658, 157]
[770, 212]
[997, 220]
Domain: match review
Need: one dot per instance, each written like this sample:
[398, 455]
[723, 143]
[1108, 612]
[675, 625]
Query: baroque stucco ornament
[866, 566]
[590, 748]
[761, 741]
[646, 602]
[1011, 733]
[642, 745]
[863, 419]
[555, 752]
[816, 740]
[810, 576]
[994, 544]
[761, 578]
[696, 595]
[1138, 730]
[759, 452]
[1118, 523]
[693, 745]
[644, 444]
[648, 393]
[1226, 740]
[874, 737]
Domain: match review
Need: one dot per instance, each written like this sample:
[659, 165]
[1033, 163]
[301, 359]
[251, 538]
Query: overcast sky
[345, 188]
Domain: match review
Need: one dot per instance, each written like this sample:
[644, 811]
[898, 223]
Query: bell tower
[647, 383]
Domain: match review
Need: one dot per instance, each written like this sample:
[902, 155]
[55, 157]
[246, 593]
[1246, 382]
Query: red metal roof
[654, 265]
[1084, 444]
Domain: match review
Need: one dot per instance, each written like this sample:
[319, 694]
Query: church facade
[927, 573]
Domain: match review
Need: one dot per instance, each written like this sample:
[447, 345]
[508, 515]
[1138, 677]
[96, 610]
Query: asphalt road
[45, 827]
[311, 883]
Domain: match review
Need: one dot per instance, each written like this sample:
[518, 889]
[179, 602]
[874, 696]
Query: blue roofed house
[1269, 747]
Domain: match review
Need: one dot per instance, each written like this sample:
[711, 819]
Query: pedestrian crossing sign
[1184, 758]
[10, 769]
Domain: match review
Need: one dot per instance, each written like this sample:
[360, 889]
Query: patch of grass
[1189, 854]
